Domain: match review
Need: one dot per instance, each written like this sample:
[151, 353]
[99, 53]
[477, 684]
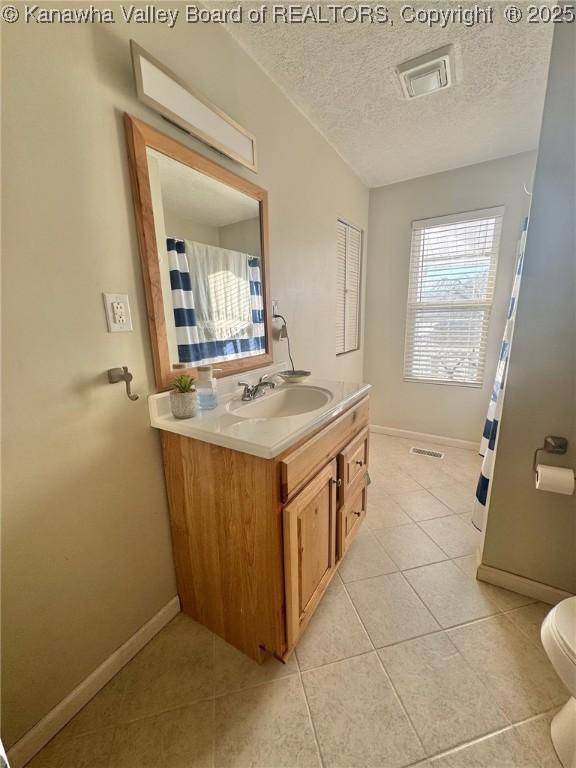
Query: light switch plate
[117, 312]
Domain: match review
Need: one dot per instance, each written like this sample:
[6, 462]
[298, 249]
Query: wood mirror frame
[140, 136]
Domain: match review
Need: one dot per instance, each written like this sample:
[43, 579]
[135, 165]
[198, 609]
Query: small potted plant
[183, 398]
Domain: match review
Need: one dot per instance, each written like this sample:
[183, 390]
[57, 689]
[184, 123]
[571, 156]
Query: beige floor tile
[459, 497]
[463, 472]
[453, 535]
[365, 558]
[264, 727]
[429, 473]
[451, 596]
[357, 716]
[504, 598]
[390, 609]
[182, 738]
[234, 671]
[175, 669]
[335, 632]
[90, 750]
[503, 750]
[105, 709]
[518, 673]
[535, 734]
[529, 618]
[409, 546]
[422, 505]
[384, 512]
[394, 481]
[446, 702]
[467, 564]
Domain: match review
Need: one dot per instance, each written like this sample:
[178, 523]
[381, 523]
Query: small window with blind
[348, 282]
[453, 263]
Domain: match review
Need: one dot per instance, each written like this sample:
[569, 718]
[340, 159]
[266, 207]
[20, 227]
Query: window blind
[453, 261]
[348, 282]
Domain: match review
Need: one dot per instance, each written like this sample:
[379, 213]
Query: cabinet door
[353, 467]
[309, 548]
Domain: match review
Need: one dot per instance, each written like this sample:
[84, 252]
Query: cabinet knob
[360, 463]
[356, 513]
[338, 482]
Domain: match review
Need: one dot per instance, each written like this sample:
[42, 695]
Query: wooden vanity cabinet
[257, 541]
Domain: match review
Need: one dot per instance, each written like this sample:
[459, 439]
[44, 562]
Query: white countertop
[264, 437]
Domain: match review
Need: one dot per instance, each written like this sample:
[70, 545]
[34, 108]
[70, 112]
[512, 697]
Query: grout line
[339, 661]
[402, 706]
[358, 617]
[312, 723]
[463, 745]
[433, 632]
[484, 737]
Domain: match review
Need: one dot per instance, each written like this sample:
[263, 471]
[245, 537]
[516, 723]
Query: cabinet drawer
[301, 465]
[353, 466]
[350, 517]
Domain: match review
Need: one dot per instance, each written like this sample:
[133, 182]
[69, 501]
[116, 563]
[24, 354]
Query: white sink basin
[290, 400]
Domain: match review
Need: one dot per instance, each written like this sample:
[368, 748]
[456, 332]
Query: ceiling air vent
[428, 73]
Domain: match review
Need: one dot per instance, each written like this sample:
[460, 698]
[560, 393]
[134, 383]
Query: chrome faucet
[251, 392]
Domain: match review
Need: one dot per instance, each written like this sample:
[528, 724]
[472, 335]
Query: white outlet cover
[118, 315]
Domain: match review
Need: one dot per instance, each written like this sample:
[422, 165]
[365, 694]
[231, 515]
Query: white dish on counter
[264, 427]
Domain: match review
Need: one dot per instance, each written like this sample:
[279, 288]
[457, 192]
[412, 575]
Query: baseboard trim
[453, 442]
[38, 736]
[522, 585]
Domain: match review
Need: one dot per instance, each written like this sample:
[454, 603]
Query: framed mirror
[203, 237]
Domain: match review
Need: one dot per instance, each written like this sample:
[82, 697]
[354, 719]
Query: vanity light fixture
[164, 92]
[428, 73]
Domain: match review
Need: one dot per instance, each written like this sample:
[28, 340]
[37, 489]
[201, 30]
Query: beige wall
[529, 532]
[87, 556]
[452, 411]
[178, 226]
[242, 236]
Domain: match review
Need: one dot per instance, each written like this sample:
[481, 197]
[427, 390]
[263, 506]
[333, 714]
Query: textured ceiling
[199, 198]
[342, 78]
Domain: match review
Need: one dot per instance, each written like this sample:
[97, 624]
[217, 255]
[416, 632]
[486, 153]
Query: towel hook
[122, 374]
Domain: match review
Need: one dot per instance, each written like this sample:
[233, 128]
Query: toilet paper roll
[555, 479]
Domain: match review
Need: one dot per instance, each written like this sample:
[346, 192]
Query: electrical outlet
[117, 312]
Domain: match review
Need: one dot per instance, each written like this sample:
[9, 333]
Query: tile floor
[409, 661]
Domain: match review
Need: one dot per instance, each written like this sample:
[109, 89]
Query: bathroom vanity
[258, 538]
[265, 496]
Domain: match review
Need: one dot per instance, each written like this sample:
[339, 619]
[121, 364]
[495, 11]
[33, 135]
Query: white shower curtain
[490, 434]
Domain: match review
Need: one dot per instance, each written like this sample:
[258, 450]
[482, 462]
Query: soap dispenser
[206, 393]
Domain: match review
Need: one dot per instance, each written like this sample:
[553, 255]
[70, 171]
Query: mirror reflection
[209, 241]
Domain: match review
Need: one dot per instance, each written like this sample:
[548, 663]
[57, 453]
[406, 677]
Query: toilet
[558, 635]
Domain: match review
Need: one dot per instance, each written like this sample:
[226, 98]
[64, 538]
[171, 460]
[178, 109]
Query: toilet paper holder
[552, 444]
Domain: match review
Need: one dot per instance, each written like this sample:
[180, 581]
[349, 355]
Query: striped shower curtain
[488, 443]
[193, 347]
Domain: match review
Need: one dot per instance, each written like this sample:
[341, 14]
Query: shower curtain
[221, 316]
[488, 443]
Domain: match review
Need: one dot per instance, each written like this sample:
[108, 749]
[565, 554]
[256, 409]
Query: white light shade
[163, 91]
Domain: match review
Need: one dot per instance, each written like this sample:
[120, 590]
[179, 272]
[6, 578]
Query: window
[348, 271]
[453, 263]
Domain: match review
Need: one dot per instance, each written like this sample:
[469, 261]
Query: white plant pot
[183, 404]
